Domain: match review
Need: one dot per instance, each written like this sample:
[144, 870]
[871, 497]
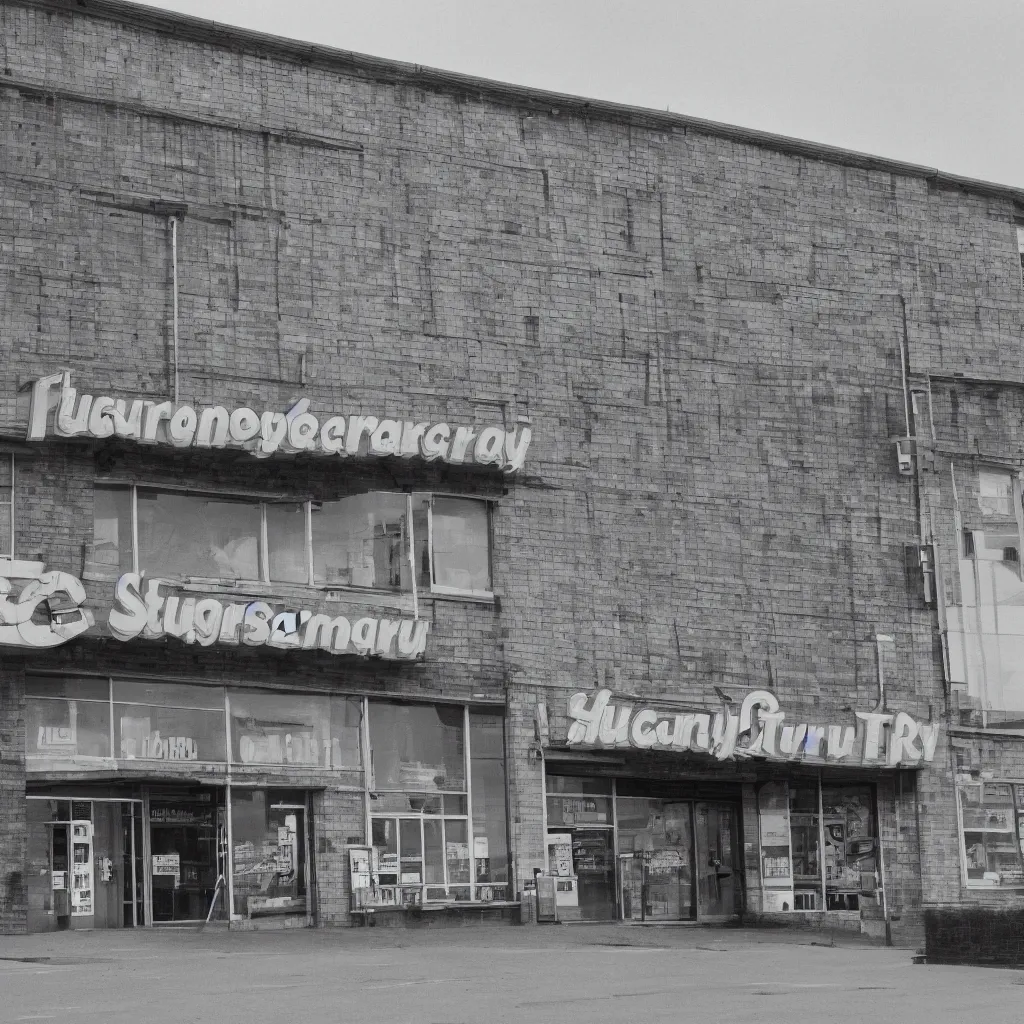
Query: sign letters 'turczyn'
[293, 431]
[879, 739]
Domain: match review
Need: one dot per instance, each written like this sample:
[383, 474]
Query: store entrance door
[593, 857]
[718, 867]
[183, 853]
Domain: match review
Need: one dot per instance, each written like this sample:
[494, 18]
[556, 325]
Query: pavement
[487, 974]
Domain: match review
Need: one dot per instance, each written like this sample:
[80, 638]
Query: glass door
[593, 856]
[655, 859]
[719, 888]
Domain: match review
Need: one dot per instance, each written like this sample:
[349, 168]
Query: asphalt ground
[486, 974]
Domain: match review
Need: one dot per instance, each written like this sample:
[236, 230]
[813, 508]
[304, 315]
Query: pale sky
[935, 82]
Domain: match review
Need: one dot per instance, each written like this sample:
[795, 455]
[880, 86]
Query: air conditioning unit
[905, 450]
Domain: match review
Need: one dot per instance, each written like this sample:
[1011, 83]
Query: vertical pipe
[174, 298]
[135, 528]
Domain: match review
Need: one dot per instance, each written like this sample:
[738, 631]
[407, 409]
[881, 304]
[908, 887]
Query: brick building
[411, 482]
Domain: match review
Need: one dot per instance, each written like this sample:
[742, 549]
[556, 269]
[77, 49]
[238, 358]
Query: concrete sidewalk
[536, 974]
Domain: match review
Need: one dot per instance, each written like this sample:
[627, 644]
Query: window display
[800, 845]
[992, 815]
[269, 851]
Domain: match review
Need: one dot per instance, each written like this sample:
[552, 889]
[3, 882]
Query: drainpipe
[174, 272]
[881, 638]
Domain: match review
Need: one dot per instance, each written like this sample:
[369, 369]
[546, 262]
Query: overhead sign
[153, 607]
[878, 738]
[57, 408]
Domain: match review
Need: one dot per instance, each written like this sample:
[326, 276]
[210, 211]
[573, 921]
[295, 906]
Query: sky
[933, 82]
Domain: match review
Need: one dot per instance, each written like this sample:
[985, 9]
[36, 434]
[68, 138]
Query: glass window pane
[384, 836]
[578, 784]
[421, 537]
[67, 728]
[360, 542]
[286, 543]
[579, 810]
[490, 821]
[173, 695]
[995, 493]
[82, 689]
[406, 803]
[269, 854]
[433, 851]
[112, 529]
[346, 742]
[285, 729]
[456, 842]
[418, 747]
[5, 526]
[190, 535]
[169, 734]
[461, 539]
[410, 850]
[6, 460]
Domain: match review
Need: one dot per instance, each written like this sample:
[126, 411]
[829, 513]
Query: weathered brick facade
[707, 330]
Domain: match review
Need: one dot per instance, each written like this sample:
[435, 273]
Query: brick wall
[13, 886]
[703, 327]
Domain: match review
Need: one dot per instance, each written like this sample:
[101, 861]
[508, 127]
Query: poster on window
[168, 864]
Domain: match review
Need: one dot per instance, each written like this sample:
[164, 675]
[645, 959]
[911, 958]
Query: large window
[295, 729]
[91, 720]
[66, 719]
[428, 842]
[992, 819]
[985, 617]
[814, 840]
[379, 540]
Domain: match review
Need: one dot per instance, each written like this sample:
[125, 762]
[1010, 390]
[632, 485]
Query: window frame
[1017, 812]
[8, 503]
[263, 556]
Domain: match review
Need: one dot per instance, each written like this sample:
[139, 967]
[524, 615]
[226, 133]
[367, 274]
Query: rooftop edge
[390, 71]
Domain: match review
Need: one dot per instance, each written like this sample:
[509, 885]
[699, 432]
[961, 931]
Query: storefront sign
[57, 595]
[142, 607]
[154, 608]
[879, 739]
[56, 406]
